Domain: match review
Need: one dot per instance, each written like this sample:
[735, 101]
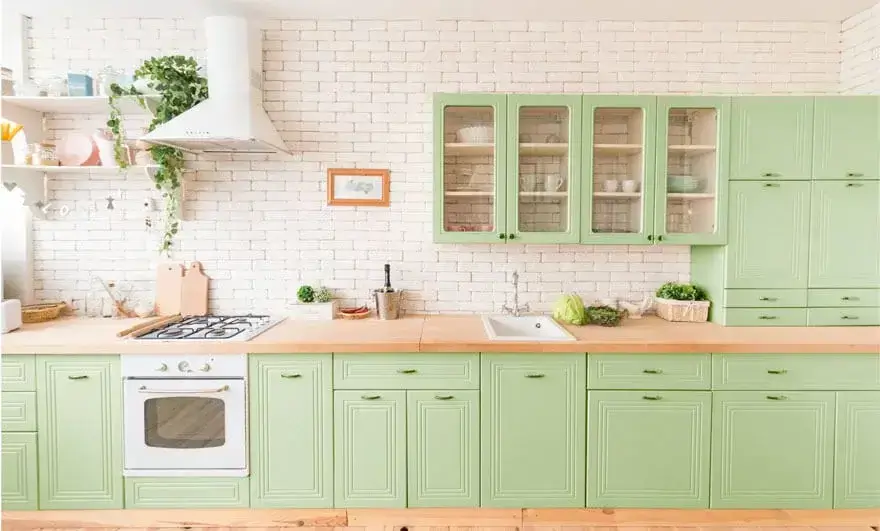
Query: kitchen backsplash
[358, 94]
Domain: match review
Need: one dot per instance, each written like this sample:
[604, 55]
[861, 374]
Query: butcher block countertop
[444, 333]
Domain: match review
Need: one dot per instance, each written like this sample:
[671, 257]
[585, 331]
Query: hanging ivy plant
[179, 87]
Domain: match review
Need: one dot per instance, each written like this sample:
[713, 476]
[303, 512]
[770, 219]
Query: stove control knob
[205, 368]
[162, 367]
[183, 366]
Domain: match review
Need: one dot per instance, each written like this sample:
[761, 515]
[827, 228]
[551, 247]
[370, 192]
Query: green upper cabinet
[544, 168]
[845, 234]
[443, 434]
[470, 173]
[857, 459]
[772, 450]
[532, 430]
[769, 241]
[79, 422]
[291, 428]
[648, 449]
[846, 135]
[618, 169]
[370, 448]
[771, 138]
[690, 194]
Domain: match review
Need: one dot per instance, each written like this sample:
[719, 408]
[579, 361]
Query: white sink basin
[524, 328]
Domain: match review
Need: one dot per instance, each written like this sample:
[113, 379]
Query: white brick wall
[358, 93]
[860, 59]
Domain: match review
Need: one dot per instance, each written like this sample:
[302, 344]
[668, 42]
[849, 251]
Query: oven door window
[184, 422]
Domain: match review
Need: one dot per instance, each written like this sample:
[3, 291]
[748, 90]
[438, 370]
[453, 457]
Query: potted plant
[314, 304]
[682, 302]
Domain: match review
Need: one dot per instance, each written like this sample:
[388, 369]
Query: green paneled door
[845, 234]
[846, 136]
[370, 448]
[779, 213]
[857, 451]
[291, 428]
[771, 137]
[772, 449]
[648, 449]
[19, 472]
[443, 445]
[532, 430]
[79, 421]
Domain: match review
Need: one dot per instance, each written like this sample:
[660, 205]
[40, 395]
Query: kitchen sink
[524, 328]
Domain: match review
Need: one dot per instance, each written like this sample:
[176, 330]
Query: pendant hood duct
[232, 119]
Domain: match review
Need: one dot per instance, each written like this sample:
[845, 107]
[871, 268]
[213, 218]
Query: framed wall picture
[357, 187]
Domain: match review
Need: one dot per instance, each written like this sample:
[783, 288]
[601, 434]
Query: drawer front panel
[765, 298]
[406, 371]
[766, 317]
[844, 298]
[191, 492]
[843, 316]
[19, 373]
[649, 371]
[19, 411]
[829, 372]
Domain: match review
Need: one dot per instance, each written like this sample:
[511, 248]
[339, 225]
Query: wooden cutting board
[169, 280]
[194, 294]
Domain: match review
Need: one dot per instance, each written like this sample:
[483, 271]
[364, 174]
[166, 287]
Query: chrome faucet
[516, 310]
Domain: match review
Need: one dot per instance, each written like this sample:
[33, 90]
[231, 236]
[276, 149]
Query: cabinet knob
[78, 377]
[660, 238]
[162, 367]
[652, 371]
[511, 236]
[777, 397]
[650, 237]
[502, 236]
[777, 371]
[291, 375]
[204, 367]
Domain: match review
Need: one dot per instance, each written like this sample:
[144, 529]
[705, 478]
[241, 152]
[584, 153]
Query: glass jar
[44, 154]
[56, 85]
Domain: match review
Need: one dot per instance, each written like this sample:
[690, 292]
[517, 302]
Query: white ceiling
[716, 10]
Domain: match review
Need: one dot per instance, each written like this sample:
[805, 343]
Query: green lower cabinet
[370, 448]
[648, 449]
[772, 449]
[79, 420]
[443, 445]
[857, 451]
[170, 493]
[532, 422]
[291, 430]
[19, 472]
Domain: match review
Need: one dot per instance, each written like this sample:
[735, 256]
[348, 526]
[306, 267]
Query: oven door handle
[144, 389]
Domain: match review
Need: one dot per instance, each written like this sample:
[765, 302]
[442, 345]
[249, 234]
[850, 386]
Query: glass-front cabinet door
[691, 181]
[543, 165]
[618, 181]
[469, 168]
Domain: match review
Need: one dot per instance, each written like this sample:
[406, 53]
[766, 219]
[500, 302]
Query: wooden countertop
[444, 333]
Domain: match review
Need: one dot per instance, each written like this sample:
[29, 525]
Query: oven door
[172, 426]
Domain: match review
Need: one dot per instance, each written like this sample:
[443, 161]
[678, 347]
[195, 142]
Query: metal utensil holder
[387, 304]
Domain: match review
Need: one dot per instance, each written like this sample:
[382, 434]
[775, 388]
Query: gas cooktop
[214, 328]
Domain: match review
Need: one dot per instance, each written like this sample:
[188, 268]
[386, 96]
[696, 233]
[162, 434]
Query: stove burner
[170, 333]
[213, 327]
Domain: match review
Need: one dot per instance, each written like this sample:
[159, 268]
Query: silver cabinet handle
[853, 185]
[854, 174]
[653, 371]
[79, 377]
[371, 397]
[144, 389]
[534, 375]
[777, 371]
[771, 185]
[849, 298]
[407, 371]
[652, 397]
[443, 397]
[777, 397]
[850, 317]
[767, 317]
[769, 174]
[291, 375]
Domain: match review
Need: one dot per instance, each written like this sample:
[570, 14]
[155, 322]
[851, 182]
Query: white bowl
[475, 134]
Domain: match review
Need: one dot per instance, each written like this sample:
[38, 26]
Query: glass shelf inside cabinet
[543, 198]
[692, 170]
[618, 169]
[469, 169]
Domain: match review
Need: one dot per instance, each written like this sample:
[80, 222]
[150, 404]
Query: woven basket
[39, 313]
[683, 311]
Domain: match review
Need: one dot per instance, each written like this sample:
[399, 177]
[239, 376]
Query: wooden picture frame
[358, 187]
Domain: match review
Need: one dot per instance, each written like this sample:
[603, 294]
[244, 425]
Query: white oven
[185, 415]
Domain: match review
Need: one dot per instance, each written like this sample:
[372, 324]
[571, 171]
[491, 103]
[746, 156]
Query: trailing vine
[180, 87]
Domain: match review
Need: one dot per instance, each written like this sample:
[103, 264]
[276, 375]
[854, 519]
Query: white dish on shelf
[474, 134]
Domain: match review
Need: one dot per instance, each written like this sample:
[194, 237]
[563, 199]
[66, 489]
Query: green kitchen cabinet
[443, 434]
[79, 421]
[845, 137]
[772, 449]
[370, 448]
[186, 492]
[857, 458]
[648, 449]
[291, 430]
[845, 234]
[19, 472]
[768, 242]
[532, 439]
[771, 138]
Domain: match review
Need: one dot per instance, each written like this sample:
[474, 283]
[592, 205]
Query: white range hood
[232, 119]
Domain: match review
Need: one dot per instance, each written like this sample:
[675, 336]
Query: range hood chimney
[232, 119]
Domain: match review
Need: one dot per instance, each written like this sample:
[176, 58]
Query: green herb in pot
[305, 294]
[323, 295]
[604, 315]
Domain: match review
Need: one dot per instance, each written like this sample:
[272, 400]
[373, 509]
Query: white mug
[630, 186]
[553, 183]
[610, 185]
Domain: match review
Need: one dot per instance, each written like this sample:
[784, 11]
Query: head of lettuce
[569, 308]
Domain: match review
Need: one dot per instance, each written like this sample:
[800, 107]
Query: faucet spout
[516, 310]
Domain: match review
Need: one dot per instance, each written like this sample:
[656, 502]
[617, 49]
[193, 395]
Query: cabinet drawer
[844, 298]
[19, 411]
[19, 373]
[766, 317]
[829, 372]
[843, 316]
[406, 371]
[765, 298]
[649, 371]
[195, 492]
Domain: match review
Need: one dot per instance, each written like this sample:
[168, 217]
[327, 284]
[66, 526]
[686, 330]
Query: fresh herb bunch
[305, 294]
[681, 292]
[604, 315]
[323, 295]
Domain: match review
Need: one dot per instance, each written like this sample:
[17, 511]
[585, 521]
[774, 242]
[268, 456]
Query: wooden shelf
[617, 195]
[459, 148]
[532, 148]
[468, 193]
[692, 149]
[618, 148]
[74, 169]
[684, 196]
[73, 104]
[543, 194]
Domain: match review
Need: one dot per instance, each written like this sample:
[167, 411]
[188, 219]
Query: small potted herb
[682, 302]
[314, 304]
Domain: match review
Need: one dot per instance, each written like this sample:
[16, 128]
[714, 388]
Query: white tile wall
[358, 93]
[860, 60]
